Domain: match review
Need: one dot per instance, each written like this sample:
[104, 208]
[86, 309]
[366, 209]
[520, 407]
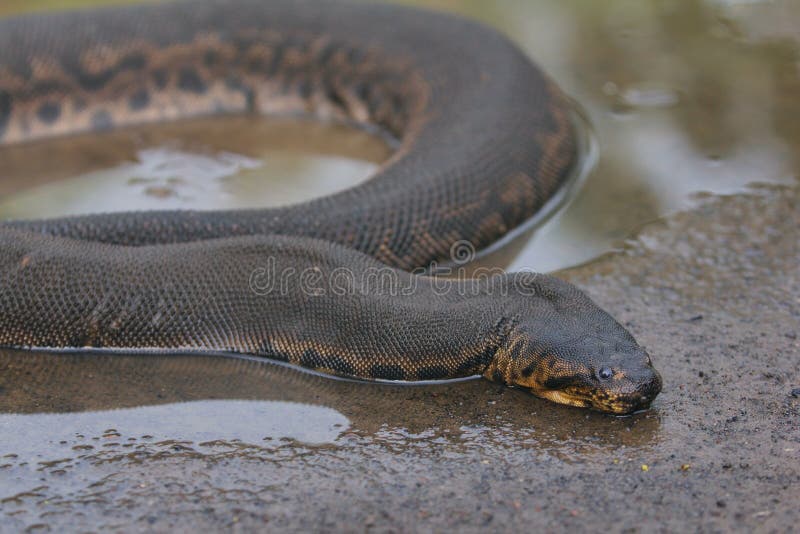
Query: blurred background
[685, 97]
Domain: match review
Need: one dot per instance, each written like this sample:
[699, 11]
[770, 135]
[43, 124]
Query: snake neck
[507, 348]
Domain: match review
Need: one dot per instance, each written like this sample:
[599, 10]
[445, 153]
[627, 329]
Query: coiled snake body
[485, 139]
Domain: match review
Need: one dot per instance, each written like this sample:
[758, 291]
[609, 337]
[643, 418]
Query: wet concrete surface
[716, 301]
[685, 97]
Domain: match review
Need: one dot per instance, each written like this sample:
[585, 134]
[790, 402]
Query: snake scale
[484, 139]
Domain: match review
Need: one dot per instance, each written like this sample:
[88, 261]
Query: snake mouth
[632, 392]
[598, 400]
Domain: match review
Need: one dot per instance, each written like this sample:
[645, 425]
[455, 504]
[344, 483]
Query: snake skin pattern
[484, 141]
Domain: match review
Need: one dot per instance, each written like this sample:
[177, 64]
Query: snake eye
[605, 373]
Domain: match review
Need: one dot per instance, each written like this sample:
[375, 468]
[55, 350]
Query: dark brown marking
[210, 58]
[94, 82]
[497, 376]
[376, 109]
[277, 59]
[325, 54]
[310, 358]
[5, 110]
[49, 112]
[559, 382]
[304, 88]
[398, 106]
[161, 78]
[477, 362]
[294, 42]
[190, 81]
[139, 100]
[387, 372]
[77, 339]
[433, 372]
[529, 369]
[334, 98]
[363, 91]
[133, 61]
[267, 349]
[355, 55]
[256, 64]
[338, 364]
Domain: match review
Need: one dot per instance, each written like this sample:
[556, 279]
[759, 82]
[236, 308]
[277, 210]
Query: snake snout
[651, 387]
[636, 390]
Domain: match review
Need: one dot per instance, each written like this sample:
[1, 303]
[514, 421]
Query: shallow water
[688, 99]
[68, 416]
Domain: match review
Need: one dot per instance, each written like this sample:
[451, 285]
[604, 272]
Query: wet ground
[692, 103]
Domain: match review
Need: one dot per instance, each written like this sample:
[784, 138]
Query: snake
[482, 139]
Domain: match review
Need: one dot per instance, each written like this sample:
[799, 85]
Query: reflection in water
[81, 434]
[157, 178]
[283, 402]
[684, 97]
[194, 422]
[227, 162]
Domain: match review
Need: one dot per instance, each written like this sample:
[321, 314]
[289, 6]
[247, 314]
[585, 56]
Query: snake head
[562, 347]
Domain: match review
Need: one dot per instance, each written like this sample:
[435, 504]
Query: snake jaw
[576, 380]
[564, 380]
[561, 397]
[598, 401]
[621, 396]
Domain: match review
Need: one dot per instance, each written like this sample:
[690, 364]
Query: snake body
[484, 140]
